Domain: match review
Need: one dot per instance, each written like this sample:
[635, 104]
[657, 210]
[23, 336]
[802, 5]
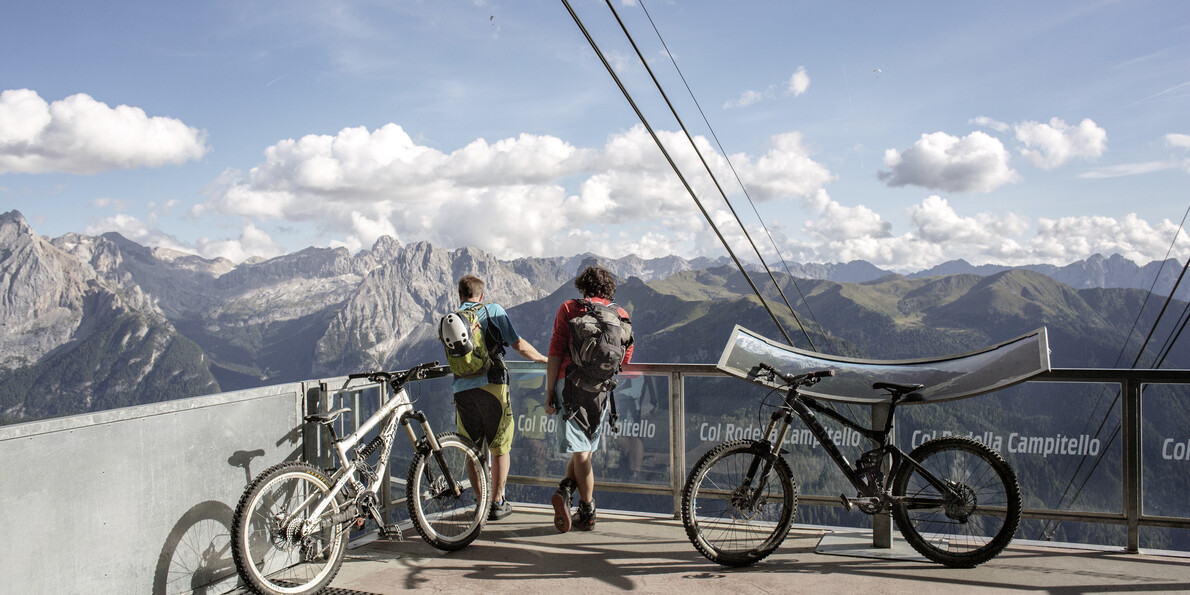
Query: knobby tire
[961, 531]
[446, 521]
[272, 555]
[717, 520]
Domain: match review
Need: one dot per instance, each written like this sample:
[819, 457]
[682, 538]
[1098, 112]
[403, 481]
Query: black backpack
[599, 337]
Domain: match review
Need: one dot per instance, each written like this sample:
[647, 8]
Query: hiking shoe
[500, 510]
[584, 517]
[561, 502]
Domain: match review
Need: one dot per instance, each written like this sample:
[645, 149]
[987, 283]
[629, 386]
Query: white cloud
[137, 231]
[540, 196]
[1072, 238]
[899, 252]
[1177, 141]
[508, 197]
[939, 161]
[786, 170]
[987, 122]
[936, 222]
[253, 241]
[938, 233]
[799, 81]
[797, 84]
[1053, 144]
[840, 223]
[1129, 169]
[1181, 141]
[80, 135]
[116, 203]
[748, 97]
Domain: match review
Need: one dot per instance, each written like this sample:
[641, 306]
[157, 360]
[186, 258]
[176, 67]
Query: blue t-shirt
[495, 317]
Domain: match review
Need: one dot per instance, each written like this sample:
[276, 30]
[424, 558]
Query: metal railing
[155, 485]
[1131, 383]
[677, 377]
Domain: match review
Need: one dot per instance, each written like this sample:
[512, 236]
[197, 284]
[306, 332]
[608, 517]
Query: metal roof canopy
[945, 378]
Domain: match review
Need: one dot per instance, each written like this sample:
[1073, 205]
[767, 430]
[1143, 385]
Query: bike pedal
[392, 533]
[846, 501]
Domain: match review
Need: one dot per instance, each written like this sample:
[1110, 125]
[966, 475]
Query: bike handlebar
[796, 379]
[418, 372]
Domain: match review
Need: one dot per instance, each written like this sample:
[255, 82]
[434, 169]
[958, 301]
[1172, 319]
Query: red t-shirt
[560, 341]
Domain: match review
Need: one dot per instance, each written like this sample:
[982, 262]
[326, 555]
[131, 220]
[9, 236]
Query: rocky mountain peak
[43, 293]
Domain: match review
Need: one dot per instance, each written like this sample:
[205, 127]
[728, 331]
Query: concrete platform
[524, 554]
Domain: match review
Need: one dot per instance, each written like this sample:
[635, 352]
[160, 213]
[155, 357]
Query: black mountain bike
[956, 501]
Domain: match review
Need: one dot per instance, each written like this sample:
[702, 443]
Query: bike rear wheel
[971, 525]
[274, 552]
[734, 520]
[445, 520]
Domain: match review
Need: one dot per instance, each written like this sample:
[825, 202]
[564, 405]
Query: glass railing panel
[725, 409]
[434, 398]
[1165, 470]
[1061, 439]
[637, 455]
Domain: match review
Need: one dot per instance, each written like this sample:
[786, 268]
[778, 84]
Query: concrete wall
[138, 500]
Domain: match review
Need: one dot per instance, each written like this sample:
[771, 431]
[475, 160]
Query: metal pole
[1132, 462]
[315, 398]
[677, 439]
[882, 522]
[386, 488]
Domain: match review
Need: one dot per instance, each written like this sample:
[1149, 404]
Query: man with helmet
[482, 407]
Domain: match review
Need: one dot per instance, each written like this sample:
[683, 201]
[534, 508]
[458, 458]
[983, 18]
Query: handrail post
[677, 438]
[1131, 455]
[317, 397]
[882, 522]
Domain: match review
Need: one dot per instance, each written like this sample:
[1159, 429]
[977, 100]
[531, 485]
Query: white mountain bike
[290, 529]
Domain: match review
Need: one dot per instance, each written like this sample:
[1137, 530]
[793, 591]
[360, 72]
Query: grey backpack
[599, 337]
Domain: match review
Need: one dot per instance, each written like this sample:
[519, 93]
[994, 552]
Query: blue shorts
[571, 437]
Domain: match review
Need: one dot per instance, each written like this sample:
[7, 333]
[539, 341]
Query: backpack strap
[491, 332]
[611, 395]
[584, 305]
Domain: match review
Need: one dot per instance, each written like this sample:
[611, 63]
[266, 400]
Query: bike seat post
[888, 415]
[330, 427]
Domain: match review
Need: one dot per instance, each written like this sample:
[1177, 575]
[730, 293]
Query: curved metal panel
[945, 378]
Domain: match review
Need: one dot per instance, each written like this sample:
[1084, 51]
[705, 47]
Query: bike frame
[397, 410]
[805, 408]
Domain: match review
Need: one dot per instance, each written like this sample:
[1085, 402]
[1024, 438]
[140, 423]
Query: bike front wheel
[732, 514]
[968, 524]
[446, 518]
[275, 550]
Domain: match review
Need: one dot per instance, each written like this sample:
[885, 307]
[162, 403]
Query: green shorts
[485, 415]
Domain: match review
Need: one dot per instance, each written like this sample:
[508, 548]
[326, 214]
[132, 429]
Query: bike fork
[436, 449]
[755, 472]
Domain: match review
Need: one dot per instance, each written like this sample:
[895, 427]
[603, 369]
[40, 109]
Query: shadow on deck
[650, 554]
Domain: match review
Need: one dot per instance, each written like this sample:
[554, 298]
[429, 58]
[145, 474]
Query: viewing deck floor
[524, 554]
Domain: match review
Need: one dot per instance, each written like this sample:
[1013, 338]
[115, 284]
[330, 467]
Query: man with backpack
[475, 337]
[592, 340]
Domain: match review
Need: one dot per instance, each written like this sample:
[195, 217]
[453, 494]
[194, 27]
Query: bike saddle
[328, 417]
[897, 389]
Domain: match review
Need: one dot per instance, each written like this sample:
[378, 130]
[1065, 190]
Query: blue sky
[905, 134]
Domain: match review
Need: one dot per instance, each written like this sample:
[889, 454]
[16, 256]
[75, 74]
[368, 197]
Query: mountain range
[89, 323]
[95, 322]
